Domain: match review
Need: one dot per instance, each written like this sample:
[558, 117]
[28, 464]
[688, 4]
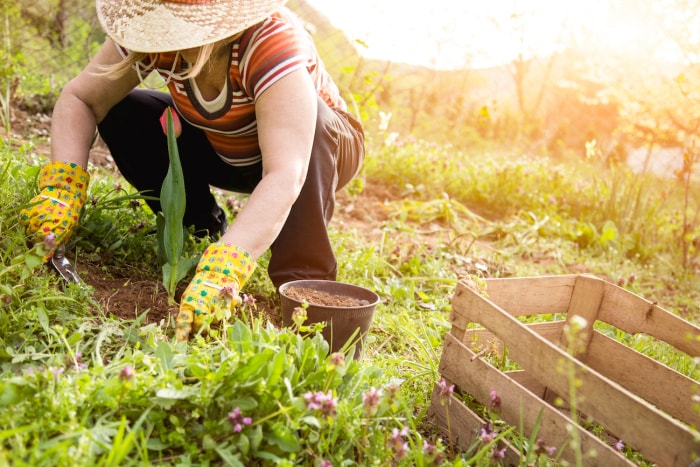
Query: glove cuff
[228, 259]
[66, 176]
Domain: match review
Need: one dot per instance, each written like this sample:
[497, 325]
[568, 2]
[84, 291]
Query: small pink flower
[487, 433]
[498, 454]
[445, 390]
[371, 400]
[238, 421]
[337, 360]
[495, 399]
[249, 300]
[177, 125]
[325, 403]
[299, 315]
[619, 445]
[50, 241]
[397, 443]
[127, 373]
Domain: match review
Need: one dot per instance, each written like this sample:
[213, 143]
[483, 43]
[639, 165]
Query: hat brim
[165, 26]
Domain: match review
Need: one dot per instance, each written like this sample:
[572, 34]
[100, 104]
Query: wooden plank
[661, 438]
[461, 426]
[634, 314]
[526, 380]
[519, 406]
[585, 301]
[662, 386]
[524, 296]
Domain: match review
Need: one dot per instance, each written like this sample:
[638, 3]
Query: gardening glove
[214, 289]
[56, 208]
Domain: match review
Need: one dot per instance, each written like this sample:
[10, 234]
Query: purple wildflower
[127, 373]
[337, 360]
[249, 300]
[56, 371]
[325, 403]
[397, 442]
[325, 463]
[432, 454]
[445, 390]
[50, 241]
[77, 364]
[498, 454]
[619, 445]
[238, 421]
[370, 401]
[140, 226]
[299, 315]
[487, 433]
[495, 399]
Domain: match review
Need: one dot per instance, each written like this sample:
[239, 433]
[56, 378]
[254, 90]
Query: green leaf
[9, 394]
[276, 369]
[244, 403]
[311, 420]
[284, 438]
[230, 459]
[155, 444]
[254, 366]
[165, 354]
[43, 320]
[33, 261]
[243, 444]
[184, 266]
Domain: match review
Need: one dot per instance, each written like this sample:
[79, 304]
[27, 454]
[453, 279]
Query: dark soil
[317, 297]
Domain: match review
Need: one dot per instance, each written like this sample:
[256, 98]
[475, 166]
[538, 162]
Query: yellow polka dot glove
[214, 289]
[55, 210]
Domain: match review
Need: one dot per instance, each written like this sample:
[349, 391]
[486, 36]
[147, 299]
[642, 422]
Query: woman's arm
[286, 118]
[83, 103]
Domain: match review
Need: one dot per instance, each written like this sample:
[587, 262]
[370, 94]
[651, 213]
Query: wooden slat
[526, 380]
[661, 438]
[524, 296]
[519, 406]
[662, 386]
[585, 302]
[634, 314]
[462, 426]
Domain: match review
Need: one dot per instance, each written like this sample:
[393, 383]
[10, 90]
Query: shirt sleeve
[276, 49]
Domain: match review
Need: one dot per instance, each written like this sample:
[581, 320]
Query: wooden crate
[636, 399]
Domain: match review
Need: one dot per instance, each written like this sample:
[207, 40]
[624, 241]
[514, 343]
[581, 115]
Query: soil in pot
[318, 297]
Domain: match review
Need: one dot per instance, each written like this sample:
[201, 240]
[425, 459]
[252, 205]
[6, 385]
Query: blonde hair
[133, 61]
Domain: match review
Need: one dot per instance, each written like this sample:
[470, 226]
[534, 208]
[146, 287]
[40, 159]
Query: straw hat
[168, 25]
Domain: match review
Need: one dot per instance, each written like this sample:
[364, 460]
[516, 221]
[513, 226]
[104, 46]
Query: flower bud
[177, 125]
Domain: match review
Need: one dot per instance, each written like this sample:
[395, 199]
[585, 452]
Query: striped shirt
[263, 54]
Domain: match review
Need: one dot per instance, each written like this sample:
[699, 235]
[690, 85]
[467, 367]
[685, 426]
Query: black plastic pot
[342, 323]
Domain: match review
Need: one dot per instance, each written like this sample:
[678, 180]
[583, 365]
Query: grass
[79, 387]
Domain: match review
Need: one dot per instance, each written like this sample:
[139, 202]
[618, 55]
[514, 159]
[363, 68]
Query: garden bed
[631, 396]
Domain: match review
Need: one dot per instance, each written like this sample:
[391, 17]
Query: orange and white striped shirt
[263, 54]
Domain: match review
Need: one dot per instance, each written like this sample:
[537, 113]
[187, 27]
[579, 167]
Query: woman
[260, 116]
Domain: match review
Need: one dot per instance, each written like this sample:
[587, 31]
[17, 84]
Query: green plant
[171, 232]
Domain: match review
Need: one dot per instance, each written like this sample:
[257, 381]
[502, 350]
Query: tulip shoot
[171, 232]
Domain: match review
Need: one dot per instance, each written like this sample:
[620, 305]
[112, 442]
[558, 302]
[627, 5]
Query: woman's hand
[54, 212]
[214, 289]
